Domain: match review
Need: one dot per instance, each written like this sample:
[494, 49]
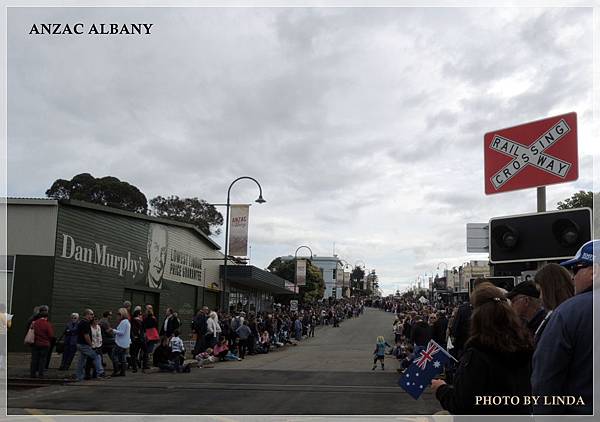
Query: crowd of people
[535, 340]
[137, 339]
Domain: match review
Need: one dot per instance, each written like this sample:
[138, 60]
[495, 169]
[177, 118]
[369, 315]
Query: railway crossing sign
[530, 155]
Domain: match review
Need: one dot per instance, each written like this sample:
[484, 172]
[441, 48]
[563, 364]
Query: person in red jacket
[44, 333]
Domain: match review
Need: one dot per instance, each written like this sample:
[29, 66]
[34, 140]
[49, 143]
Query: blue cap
[585, 255]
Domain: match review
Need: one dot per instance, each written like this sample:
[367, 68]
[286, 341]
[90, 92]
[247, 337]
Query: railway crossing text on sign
[534, 154]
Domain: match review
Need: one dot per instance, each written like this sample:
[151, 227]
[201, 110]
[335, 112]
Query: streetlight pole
[296, 267]
[260, 200]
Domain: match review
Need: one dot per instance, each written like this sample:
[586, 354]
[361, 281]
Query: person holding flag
[496, 360]
[428, 363]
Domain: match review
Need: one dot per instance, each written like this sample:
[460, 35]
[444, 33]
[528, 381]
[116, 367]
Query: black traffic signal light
[539, 236]
[507, 283]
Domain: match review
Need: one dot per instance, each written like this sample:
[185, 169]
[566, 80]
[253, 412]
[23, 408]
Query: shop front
[97, 257]
[252, 289]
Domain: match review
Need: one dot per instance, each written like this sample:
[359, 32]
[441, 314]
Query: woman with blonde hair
[556, 286]
[122, 342]
[496, 360]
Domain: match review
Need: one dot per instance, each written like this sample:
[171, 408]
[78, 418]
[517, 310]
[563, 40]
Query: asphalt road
[326, 375]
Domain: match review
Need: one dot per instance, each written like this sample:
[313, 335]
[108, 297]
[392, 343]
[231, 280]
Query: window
[140, 297]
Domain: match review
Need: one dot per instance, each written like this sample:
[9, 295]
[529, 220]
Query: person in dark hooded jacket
[496, 360]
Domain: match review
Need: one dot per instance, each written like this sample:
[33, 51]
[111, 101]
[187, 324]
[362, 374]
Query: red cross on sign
[530, 155]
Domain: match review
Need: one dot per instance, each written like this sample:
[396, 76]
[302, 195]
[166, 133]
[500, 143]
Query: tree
[579, 200]
[356, 277]
[108, 191]
[188, 210]
[315, 285]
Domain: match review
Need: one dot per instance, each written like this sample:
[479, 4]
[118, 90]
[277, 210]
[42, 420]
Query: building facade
[72, 255]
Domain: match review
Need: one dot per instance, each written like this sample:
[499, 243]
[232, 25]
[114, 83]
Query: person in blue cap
[563, 359]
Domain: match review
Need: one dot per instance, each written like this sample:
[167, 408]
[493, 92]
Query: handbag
[152, 334]
[30, 336]
[60, 344]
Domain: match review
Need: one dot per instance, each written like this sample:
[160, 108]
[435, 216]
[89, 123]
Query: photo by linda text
[529, 401]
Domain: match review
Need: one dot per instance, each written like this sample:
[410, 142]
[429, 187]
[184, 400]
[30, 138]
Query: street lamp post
[260, 200]
[295, 266]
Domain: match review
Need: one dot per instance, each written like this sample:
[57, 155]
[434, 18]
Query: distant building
[332, 271]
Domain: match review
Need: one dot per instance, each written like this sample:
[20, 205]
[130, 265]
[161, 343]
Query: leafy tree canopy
[578, 200]
[315, 285]
[188, 210]
[108, 191]
[357, 273]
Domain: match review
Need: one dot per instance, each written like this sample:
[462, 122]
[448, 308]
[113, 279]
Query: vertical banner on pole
[301, 272]
[238, 234]
[346, 279]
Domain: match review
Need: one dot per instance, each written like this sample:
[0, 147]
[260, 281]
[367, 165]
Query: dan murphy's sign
[140, 253]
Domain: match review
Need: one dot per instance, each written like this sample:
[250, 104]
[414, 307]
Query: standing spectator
[44, 332]
[213, 329]
[70, 338]
[252, 339]
[199, 327]
[563, 359]
[243, 333]
[421, 334]
[525, 300]
[556, 286]
[496, 360]
[96, 346]
[313, 323]
[127, 306]
[170, 324]
[439, 328]
[137, 339]
[108, 340]
[407, 327]
[122, 342]
[152, 336]
[34, 316]
[298, 328]
[84, 346]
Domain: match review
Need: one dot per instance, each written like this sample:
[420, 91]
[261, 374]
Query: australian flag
[428, 363]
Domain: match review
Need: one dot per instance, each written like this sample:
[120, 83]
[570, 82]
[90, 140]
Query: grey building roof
[253, 277]
[102, 208]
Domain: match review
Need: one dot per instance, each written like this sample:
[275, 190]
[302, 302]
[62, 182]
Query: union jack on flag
[427, 354]
[428, 363]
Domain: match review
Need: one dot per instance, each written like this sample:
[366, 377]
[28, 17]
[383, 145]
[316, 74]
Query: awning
[255, 278]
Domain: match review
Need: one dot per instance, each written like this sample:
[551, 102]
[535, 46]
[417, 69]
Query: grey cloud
[363, 125]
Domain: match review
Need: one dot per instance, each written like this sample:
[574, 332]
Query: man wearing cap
[562, 362]
[525, 300]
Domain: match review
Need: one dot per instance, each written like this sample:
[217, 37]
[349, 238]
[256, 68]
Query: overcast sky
[364, 126]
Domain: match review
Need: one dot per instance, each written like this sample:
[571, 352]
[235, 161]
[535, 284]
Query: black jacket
[460, 328]
[172, 325]
[439, 331]
[486, 372]
[421, 333]
[199, 324]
